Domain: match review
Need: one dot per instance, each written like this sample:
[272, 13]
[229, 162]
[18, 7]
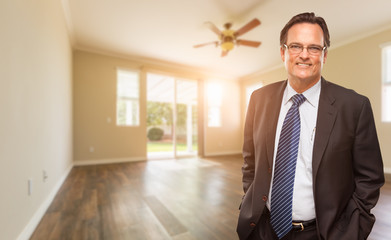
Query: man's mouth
[304, 64]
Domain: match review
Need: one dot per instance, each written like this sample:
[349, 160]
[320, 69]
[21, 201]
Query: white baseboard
[107, 161]
[35, 220]
[215, 154]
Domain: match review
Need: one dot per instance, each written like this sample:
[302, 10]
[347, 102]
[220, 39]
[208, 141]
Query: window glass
[215, 95]
[386, 84]
[128, 93]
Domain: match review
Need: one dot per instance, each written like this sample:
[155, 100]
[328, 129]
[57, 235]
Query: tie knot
[298, 99]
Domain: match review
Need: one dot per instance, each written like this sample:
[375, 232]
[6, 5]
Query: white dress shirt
[303, 205]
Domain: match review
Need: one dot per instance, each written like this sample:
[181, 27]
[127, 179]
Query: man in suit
[337, 167]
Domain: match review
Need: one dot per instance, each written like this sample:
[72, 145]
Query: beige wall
[227, 138]
[356, 65]
[35, 109]
[94, 103]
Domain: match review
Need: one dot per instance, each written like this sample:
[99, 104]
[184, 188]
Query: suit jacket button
[264, 198]
[270, 170]
[253, 224]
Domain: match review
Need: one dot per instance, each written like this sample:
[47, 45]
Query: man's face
[304, 66]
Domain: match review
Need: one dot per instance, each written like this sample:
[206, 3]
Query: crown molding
[359, 37]
[68, 20]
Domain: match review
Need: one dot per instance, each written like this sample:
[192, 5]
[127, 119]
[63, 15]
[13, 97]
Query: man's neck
[301, 85]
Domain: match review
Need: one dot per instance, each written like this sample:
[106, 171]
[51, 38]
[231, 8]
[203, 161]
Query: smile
[304, 64]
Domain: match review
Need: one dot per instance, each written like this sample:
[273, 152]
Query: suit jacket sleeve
[355, 144]
[367, 167]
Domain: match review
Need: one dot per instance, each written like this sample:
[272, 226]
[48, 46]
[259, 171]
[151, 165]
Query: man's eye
[314, 48]
[295, 47]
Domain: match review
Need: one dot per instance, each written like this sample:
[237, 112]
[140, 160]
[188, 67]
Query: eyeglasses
[297, 48]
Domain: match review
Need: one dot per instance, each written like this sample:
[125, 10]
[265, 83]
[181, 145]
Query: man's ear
[325, 57]
[282, 52]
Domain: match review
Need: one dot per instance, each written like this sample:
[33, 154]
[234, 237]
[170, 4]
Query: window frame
[134, 100]
[386, 83]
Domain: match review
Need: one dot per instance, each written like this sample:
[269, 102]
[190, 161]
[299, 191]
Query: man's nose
[304, 53]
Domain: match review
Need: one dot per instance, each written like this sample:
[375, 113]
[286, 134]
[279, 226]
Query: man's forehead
[307, 32]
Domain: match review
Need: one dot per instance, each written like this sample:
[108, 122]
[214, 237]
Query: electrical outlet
[29, 187]
[44, 176]
[92, 149]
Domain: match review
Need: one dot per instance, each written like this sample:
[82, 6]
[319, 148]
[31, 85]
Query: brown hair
[306, 18]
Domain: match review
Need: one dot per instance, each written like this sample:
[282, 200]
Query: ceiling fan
[229, 38]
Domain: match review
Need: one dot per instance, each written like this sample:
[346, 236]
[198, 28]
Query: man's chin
[304, 82]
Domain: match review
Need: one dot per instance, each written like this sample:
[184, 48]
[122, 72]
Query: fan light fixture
[228, 38]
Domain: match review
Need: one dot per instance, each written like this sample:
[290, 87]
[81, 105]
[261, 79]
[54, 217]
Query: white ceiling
[167, 29]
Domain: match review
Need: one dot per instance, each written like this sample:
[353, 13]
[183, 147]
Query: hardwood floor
[382, 211]
[184, 199]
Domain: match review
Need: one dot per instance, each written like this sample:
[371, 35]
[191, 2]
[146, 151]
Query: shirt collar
[311, 94]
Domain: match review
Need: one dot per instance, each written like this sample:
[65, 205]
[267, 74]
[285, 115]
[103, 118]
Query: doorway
[171, 117]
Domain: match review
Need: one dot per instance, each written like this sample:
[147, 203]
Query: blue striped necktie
[285, 168]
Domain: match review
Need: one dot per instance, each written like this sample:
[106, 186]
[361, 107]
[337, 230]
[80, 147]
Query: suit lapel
[274, 105]
[327, 114]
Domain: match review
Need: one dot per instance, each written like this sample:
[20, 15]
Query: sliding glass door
[171, 116]
[186, 117]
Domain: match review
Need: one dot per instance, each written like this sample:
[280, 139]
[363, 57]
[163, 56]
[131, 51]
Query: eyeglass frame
[302, 49]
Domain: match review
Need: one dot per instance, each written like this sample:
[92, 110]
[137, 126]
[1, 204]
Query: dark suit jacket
[347, 163]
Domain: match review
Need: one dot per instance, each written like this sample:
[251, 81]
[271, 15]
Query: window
[128, 94]
[215, 94]
[386, 83]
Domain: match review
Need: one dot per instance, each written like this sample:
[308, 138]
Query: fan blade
[248, 43]
[224, 53]
[205, 44]
[252, 24]
[213, 27]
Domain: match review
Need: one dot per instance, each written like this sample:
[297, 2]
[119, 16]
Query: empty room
[161, 119]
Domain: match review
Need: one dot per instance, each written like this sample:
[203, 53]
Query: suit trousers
[264, 231]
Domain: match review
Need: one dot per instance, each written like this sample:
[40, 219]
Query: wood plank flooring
[184, 199]
[382, 211]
